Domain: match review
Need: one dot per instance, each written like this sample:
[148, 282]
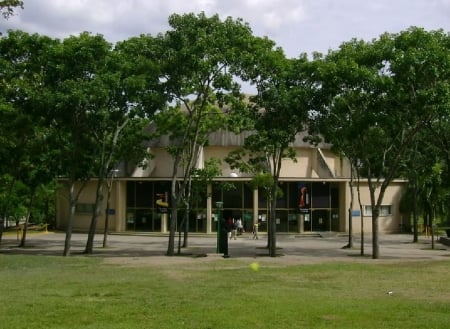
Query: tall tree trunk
[173, 218]
[72, 205]
[375, 217]
[73, 199]
[183, 225]
[172, 228]
[362, 230]
[415, 216]
[106, 228]
[361, 213]
[273, 227]
[27, 220]
[350, 217]
[375, 242]
[432, 214]
[186, 228]
[97, 213]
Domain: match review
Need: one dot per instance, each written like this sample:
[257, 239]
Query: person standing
[233, 230]
[240, 227]
[229, 227]
[255, 231]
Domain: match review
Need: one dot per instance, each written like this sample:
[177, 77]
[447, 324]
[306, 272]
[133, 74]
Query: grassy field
[84, 292]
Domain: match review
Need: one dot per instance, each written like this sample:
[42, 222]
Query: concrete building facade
[316, 195]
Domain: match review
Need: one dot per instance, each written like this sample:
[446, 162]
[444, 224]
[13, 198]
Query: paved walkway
[291, 248]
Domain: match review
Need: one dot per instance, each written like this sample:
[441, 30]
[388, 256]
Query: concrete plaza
[292, 249]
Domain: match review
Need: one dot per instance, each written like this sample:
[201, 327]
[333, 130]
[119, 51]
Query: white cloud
[296, 25]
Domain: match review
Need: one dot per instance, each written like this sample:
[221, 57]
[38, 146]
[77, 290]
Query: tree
[439, 133]
[427, 171]
[421, 66]
[279, 112]
[75, 98]
[382, 94]
[201, 178]
[338, 110]
[26, 149]
[131, 95]
[201, 59]
[7, 7]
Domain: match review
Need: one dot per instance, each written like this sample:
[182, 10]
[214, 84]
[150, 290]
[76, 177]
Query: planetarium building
[316, 195]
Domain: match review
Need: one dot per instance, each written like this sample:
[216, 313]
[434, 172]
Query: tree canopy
[381, 94]
[77, 107]
[7, 7]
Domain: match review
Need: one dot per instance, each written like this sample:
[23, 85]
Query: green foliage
[12, 203]
[7, 7]
[76, 107]
[265, 182]
[381, 93]
[201, 61]
[377, 97]
[138, 87]
[279, 111]
[201, 178]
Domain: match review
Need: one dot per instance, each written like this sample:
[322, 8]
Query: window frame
[385, 210]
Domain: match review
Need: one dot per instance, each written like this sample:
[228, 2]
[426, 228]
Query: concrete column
[118, 220]
[255, 206]
[164, 218]
[301, 220]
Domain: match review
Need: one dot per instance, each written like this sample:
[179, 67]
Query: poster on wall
[162, 202]
[303, 197]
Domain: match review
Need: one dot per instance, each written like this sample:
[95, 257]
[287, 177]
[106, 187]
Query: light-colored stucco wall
[311, 165]
[82, 221]
[386, 224]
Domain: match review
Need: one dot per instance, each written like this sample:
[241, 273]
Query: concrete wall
[386, 224]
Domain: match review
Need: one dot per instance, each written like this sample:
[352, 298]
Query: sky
[297, 26]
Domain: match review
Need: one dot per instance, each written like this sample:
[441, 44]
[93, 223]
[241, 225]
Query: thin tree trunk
[375, 242]
[108, 197]
[27, 220]
[432, 227]
[73, 199]
[350, 208]
[415, 217]
[186, 229]
[273, 228]
[172, 220]
[172, 228]
[362, 231]
[361, 214]
[72, 205]
[182, 227]
[96, 215]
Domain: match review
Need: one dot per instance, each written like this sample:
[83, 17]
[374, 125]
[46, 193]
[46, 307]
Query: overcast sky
[297, 26]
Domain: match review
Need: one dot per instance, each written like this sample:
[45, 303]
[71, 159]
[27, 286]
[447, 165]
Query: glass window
[293, 193]
[233, 198]
[84, 208]
[321, 195]
[131, 195]
[385, 210]
[216, 193]
[281, 201]
[303, 196]
[144, 194]
[334, 197]
[248, 196]
[161, 194]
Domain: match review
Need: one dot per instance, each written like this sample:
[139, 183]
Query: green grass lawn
[84, 292]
